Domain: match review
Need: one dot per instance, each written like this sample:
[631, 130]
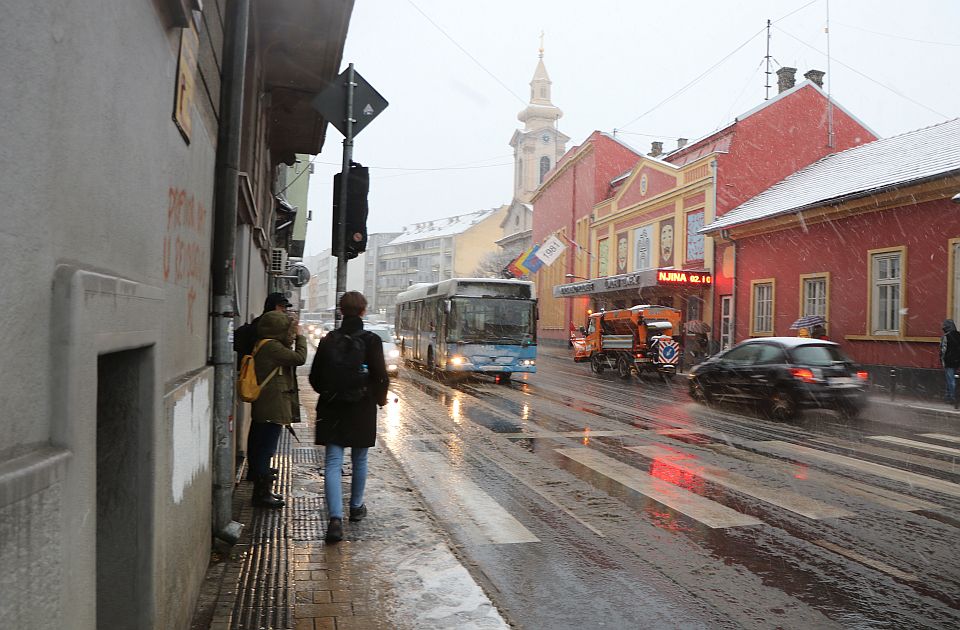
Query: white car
[391, 353]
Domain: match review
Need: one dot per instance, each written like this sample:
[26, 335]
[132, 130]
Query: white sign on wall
[550, 250]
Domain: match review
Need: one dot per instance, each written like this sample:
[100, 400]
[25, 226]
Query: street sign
[332, 103]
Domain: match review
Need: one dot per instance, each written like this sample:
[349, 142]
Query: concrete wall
[106, 229]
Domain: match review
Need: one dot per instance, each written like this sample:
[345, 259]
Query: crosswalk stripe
[942, 437]
[781, 497]
[923, 446]
[856, 556]
[874, 494]
[911, 478]
[588, 433]
[465, 503]
[710, 513]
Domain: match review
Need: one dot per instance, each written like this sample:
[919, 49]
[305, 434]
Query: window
[726, 322]
[815, 296]
[694, 309]
[544, 167]
[761, 307]
[886, 277]
[769, 355]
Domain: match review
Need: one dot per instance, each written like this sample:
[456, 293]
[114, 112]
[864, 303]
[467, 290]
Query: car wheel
[850, 411]
[782, 405]
[623, 367]
[698, 392]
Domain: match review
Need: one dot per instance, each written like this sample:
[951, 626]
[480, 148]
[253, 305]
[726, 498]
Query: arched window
[544, 167]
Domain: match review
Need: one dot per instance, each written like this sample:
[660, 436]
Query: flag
[550, 250]
[521, 259]
[532, 261]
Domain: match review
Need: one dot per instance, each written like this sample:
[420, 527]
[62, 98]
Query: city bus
[464, 325]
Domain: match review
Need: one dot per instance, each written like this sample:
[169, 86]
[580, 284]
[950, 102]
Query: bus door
[418, 326]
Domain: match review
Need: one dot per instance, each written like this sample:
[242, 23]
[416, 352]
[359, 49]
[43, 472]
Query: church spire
[540, 109]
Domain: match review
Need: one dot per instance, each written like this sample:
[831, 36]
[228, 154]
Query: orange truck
[643, 338]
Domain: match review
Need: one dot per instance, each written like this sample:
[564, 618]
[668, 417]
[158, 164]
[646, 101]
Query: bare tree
[493, 265]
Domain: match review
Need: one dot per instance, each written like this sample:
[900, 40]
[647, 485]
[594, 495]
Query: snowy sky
[457, 73]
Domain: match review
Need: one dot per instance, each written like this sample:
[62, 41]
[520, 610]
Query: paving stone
[323, 610]
[322, 597]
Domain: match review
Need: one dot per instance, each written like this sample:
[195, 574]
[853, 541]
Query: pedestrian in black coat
[353, 424]
[950, 357]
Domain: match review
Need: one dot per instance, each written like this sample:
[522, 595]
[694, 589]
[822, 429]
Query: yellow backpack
[247, 386]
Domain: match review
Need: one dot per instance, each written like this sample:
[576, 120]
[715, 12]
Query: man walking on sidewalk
[950, 357]
[350, 377]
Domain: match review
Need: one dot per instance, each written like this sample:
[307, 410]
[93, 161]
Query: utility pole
[344, 183]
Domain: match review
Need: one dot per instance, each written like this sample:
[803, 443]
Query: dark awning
[636, 280]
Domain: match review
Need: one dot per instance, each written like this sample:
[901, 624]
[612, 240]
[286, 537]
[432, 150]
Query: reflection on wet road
[578, 498]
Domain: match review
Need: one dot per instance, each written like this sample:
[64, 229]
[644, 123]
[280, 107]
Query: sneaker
[334, 530]
[358, 513]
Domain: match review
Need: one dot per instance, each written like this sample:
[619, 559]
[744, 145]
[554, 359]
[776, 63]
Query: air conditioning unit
[278, 260]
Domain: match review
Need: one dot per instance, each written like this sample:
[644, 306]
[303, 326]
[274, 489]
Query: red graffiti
[185, 260]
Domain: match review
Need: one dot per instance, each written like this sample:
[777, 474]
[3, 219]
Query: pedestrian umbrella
[808, 321]
[696, 326]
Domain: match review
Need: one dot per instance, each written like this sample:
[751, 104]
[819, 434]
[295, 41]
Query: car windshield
[818, 355]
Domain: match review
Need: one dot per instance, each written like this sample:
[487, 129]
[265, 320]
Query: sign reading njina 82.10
[689, 278]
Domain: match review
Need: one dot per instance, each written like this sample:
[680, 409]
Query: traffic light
[358, 185]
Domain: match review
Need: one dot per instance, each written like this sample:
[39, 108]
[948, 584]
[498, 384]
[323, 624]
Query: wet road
[581, 500]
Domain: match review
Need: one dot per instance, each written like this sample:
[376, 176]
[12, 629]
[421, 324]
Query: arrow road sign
[332, 103]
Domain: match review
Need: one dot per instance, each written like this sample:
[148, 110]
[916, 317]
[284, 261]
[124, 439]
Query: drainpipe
[226, 185]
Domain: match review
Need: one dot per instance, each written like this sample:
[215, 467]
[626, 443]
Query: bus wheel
[504, 377]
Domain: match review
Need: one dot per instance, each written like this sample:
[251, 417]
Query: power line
[909, 39]
[868, 78]
[464, 51]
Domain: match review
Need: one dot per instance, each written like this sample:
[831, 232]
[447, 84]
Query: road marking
[710, 513]
[942, 436]
[587, 433]
[904, 476]
[464, 503]
[874, 494]
[862, 559]
[781, 497]
[924, 446]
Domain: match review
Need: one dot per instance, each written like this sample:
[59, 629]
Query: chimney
[681, 142]
[786, 77]
[816, 76]
[656, 149]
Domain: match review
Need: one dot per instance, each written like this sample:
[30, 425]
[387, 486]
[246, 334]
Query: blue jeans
[949, 374]
[261, 446]
[333, 465]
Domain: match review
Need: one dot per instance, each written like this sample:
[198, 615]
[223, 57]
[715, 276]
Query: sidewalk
[393, 570]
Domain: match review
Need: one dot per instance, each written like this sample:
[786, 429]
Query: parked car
[783, 375]
[391, 353]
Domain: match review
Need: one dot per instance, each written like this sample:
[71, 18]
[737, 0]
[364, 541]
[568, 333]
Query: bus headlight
[457, 360]
[528, 362]
[394, 353]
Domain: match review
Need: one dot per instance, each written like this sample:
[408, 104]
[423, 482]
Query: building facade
[371, 260]
[430, 251]
[651, 217]
[866, 239]
[124, 269]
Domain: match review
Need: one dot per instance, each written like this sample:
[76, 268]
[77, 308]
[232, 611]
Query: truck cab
[632, 340]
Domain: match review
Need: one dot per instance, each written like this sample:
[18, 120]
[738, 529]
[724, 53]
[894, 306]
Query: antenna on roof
[767, 97]
[829, 83]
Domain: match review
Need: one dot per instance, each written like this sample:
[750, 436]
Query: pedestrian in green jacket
[274, 408]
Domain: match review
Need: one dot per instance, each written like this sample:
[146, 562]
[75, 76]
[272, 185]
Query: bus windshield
[492, 320]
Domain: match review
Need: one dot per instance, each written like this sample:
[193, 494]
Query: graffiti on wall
[184, 253]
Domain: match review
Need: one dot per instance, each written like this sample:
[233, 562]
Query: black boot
[263, 497]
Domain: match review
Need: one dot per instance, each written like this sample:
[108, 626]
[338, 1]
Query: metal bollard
[893, 384]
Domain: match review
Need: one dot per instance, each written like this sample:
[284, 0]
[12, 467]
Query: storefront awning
[636, 280]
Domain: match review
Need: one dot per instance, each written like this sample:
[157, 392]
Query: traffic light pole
[342, 203]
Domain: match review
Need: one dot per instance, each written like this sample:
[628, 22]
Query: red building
[563, 205]
[685, 189]
[867, 239]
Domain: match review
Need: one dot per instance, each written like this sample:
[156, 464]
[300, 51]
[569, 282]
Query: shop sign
[686, 278]
[576, 288]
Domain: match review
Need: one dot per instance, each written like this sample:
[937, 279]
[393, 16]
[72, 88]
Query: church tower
[538, 146]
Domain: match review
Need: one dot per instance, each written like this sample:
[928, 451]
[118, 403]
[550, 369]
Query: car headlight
[393, 354]
[457, 360]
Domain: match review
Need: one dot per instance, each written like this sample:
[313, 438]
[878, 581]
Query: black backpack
[344, 370]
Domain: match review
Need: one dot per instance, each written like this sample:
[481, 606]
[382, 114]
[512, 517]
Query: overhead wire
[865, 76]
[909, 39]
[465, 51]
[713, 67]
